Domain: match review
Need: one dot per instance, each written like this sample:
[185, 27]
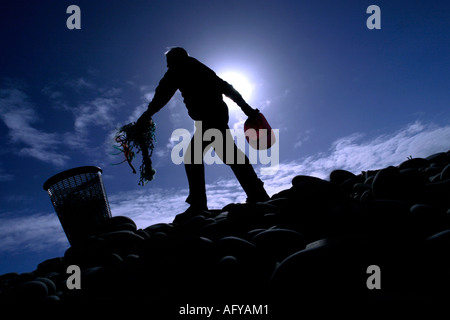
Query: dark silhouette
[318, 241]
[202, 91]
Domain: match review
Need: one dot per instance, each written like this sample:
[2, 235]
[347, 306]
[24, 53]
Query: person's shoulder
[193, 60]
[197, 63]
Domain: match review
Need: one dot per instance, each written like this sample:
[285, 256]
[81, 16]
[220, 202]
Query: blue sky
[341, 96]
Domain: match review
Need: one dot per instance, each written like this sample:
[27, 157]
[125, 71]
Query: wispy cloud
[355, 153]
[34, 233]
[149, 206]
[51, 93]
[177, 115]
[302, 138]
[5, 176]
[80, 83]
[19, 114]
[154, 205]
[27, 139]
[137, 112]
[98, 112]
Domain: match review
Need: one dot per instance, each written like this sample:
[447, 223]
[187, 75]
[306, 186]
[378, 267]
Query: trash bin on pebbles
[79, 198]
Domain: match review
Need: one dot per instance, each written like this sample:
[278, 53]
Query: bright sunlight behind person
[241, 84]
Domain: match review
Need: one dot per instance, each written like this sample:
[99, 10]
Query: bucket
[80, 201]
[259, 133]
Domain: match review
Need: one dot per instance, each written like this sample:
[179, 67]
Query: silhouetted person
[202, 91]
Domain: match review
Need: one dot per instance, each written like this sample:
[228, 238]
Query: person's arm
[163, 93]
[234, 95]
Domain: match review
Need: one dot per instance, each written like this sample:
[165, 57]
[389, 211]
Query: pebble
[314, 240]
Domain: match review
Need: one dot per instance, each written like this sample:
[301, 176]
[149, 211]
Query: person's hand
[143, 121]
[252, 113]
[249, 111]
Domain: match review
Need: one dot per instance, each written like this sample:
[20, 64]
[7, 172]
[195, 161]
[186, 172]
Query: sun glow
[241, 84]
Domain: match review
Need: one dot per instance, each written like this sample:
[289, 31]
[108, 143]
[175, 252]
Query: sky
[340, 95]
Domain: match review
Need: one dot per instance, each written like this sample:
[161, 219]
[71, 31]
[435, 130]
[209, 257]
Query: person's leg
[196, 180]
[242, 169]
[195, 171]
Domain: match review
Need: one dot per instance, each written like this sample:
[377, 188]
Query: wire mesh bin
[79, 198]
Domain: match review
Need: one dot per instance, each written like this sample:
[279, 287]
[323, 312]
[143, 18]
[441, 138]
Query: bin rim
[69, 173]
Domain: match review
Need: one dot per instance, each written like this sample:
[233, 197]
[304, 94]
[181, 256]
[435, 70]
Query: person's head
[176, 57]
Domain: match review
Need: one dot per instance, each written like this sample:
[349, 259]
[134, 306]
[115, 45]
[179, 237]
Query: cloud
[178, 115]
[35, 233]
[98, 112]
[137, 112]
[111, 92]
[356, 154]
[94, 119]
[353, 153]
[53, 94]
[5, 176]
[148, 206]
[223, 192]
[80, 83]
[302, 138]
[19, 115]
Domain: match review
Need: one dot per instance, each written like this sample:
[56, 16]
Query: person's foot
[192, 211]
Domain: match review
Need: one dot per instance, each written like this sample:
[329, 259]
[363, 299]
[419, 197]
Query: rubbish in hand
[132, 137]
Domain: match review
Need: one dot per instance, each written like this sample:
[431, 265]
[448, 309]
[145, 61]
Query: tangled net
[131, 137]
